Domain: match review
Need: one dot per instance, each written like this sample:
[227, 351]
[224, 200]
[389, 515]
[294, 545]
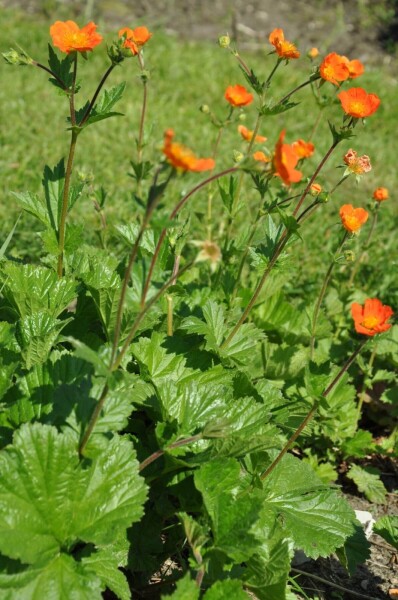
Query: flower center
[370, 322]
[357, 107]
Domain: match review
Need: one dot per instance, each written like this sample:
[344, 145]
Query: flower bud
[204, 109]
[315, 189]
[237, 156]
[242, 117]
[224, 41]
[117, 53]
[313, 53]
[349, 256]
[13, 57]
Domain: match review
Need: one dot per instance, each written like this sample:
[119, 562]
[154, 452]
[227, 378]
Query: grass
[184, 75]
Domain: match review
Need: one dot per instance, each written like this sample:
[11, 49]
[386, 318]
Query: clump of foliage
[152, 388]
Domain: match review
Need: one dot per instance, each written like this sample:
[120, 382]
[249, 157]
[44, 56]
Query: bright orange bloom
[285, 160]
[182, 158]
[237, 95]
[283, 48]
[313, 52]
[355, 67]
[372, 317]
[353, 218]
[303, 149]
[357, 164]
[334, 68]
[261, 157]
[315, 189]
[380, 194]
[358, 103]
[247, 134]
[67, 36]
[135, 38]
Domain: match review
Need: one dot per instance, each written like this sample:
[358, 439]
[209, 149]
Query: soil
[329, 25]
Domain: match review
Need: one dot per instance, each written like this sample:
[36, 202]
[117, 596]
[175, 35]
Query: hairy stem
[365, 247]
[313, 410]
[94, 98]
[323, 291]
[68, 174]
[150, 459]
[172, 215]
[143, 109]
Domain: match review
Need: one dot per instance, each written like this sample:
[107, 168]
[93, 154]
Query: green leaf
[104, 564]
[34, 289]
[129, 233]
[186, 589]
[8, 239]
[155, 362]
[311, 513]
[367, 480]
[276, 109]
[355, 551]
[102, 110]
[358, 446]
[53, 184]
[34, 205]
[61, 577]
[61, 68]
[36, 335]
[50, 499]
[91, 356]
[267, 570]
[226, 590]
[233, 515]
[387, 528]
[213, 328]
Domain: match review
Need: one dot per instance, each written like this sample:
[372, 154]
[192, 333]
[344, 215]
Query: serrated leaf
[33, 289]
[311, 513]
[36, 334]
[356, 550]
[50, 500]
[226, 590]
[129, 233]
[53, 184]
[61, 68]
[156, 363]
[102, 110]
[276, 109]
[359, 445]
[91, 356]
[233, 515]
[61, 577]
[104, 564]
[186, 589]
[367, 480]
[387, 528]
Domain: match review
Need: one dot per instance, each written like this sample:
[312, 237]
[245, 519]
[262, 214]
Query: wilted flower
[372, 317]
[283, 48]
[285, 161]
[357, 164]
[247, 134]
[68, 37]
[357, 103]
[210, 251]
[182, 158]
[353, 218]
[380, 194]
[237, 95]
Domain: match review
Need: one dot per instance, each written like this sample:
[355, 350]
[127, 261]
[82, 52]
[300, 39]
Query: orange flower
[313, 53]
[303, 149]
[358, 103]
[182, 158]
[261, 157]
[355, 67]
[380, 194]
[285, 160]
[315, 189]
[135, 38]
[247, 134]
[357, 164]
[283, 48]
[334, 68]
[237, 95]
[372, 317]
[353, 218]
[67, 36]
